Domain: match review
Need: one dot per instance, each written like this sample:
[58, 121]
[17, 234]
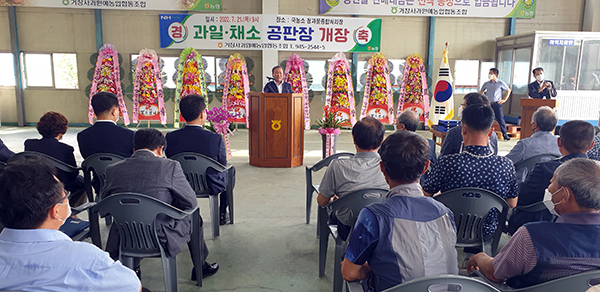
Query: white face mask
[490, 76]
[548, 201]
[460, 110]
[68, 214]
[540, 77]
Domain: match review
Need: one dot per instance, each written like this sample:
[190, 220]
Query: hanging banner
[189, 5]
[281, 32]
[452, 8]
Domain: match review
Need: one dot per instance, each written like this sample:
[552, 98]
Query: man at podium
[541, 88]
[277, 85]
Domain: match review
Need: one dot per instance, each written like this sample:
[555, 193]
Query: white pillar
[270, 58]
[591, 10]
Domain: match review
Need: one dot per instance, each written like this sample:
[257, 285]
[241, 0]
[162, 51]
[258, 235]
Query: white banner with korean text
[281, 32]
[189, 5]
[452, 8]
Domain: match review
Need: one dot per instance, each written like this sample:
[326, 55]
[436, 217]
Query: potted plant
[329, 127]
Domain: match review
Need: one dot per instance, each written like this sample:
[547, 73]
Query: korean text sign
[452, 8]
[281, 32]
[190, 5]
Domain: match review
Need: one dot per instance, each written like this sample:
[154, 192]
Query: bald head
[409, 120]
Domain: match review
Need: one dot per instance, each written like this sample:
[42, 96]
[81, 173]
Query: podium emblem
[276, 125]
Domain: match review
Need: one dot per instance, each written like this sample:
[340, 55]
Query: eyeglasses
[66, 197]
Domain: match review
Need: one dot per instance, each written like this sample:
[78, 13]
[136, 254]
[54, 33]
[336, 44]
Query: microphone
[270, 78]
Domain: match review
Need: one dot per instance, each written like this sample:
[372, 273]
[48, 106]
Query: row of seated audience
[142, 171]
[407, 236]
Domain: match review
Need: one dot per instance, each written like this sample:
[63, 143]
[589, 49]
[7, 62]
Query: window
[484, 72]
[466, 76]
[589, 77]
[316, 71]
[50, 70]
[7, 71]
[560, 63]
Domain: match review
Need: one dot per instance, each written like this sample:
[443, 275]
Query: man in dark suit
[105, 136]
[146, 172]
[194, 138]
[575, 139]
[541, 88]
[5, 153]
[277, 85]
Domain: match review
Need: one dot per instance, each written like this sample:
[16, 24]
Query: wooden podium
[276, 129]
[530, 105]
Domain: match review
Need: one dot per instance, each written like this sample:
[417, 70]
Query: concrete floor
[269, 248]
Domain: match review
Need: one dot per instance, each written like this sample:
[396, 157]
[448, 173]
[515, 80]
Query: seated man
[574, 141]
[5, 153]
[194, 138]
[408, 235]
[453, 143]
[476, 166]
[34, 255]
[105, 136]
[409, 121]
[344, 176]
[542, 141]
[542, 251]
[146, 172]
[594, 152]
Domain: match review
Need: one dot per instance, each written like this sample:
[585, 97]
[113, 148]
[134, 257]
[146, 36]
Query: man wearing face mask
[543, 251]
[277, 85]
[493, 90]
[34, 255]
[541, 88]
[575, 139]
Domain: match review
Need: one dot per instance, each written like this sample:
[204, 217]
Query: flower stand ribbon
[190, 80]
[329, 134]
[148, 89]
[340, 91]
[295, 75]
[414, 94]
[236, 89]
[107, 77]
[378, 101]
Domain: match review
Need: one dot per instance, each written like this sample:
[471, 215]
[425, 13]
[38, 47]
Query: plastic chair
[310, 187]
[135, 215]
[470, 207]
[524, 167]
[442, 283]
[352, 203]
[194, 166]
[95, 167]
[93, 231]
[579, 282]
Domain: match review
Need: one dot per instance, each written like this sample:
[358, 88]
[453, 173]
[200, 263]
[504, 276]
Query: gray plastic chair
[194, 166]
[95, 167]
[453, 283]
[353, 202]
[575, 283]
[470, 207]
[93, 232]
[310, 187]
[135, 216]
[524, 167]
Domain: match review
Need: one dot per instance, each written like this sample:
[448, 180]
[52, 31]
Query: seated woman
[52, 126]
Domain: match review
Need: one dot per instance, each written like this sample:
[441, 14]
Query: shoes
[506, 138]
[207, 270]
[224, 218]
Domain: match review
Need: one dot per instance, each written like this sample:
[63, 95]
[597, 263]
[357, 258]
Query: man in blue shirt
[493, 90]
[408, 235]
[34, 255]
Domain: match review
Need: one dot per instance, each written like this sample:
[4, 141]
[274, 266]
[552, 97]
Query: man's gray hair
[582, 176]
[545, 118]
[409, 119]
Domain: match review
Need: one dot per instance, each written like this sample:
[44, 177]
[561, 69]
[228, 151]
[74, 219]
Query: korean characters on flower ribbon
[148, 99]
[414, 94]
[378, 100]
[236, 89]
[295, 75]
[340, 91]
[190, 80]
[107, 78]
